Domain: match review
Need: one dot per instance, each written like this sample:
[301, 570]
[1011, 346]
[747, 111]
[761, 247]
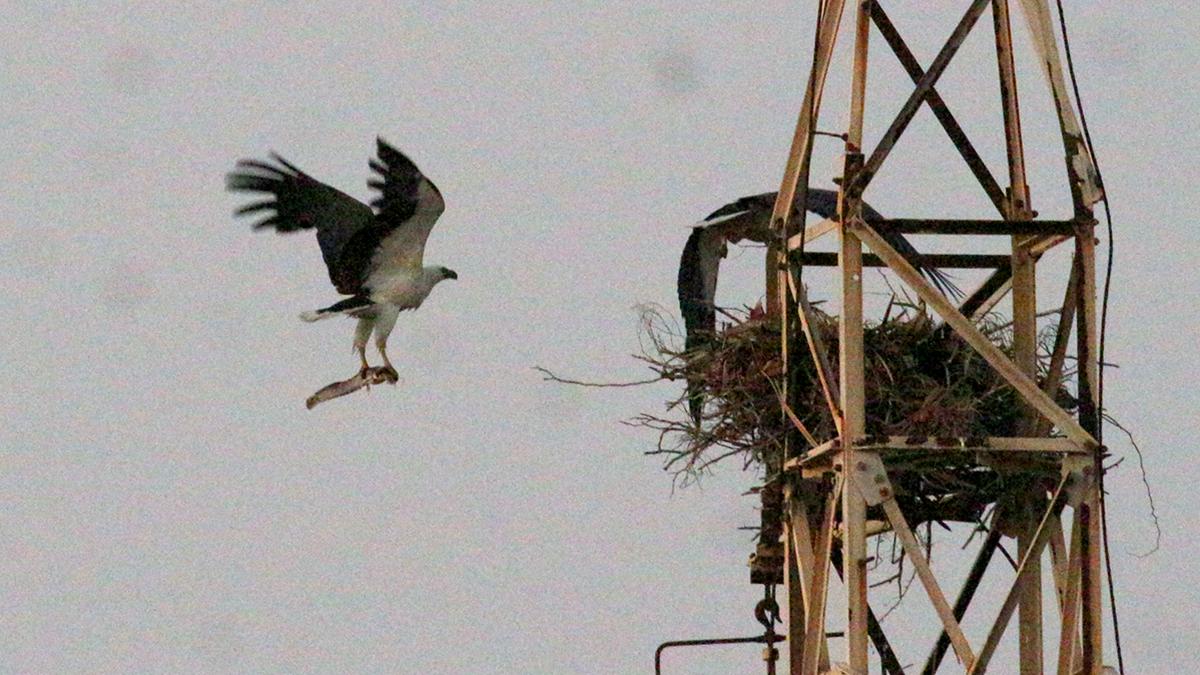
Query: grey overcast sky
[168, 505]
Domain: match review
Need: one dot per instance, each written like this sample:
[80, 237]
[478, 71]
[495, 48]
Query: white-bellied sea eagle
[374, 256]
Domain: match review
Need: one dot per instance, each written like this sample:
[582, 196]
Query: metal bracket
[870, 478]
[1080, 472]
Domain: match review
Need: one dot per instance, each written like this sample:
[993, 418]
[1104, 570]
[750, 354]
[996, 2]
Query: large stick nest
[921, 380]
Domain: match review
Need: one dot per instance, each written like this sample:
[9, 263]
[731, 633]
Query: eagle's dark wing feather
[697, 287]
[753, 213]
[697, 283]
[752, 203]
[296, 201]
[407, 207]
[822, 202]
[819, 201]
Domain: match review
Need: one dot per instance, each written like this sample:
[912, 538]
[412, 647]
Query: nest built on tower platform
[943, 409]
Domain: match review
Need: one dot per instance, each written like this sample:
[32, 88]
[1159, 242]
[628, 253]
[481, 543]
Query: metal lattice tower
[837, 494]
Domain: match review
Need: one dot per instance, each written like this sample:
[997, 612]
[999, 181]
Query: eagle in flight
[750, 218]
[374, 255]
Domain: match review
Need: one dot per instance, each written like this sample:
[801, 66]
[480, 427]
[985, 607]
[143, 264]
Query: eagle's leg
[383, 327]
[389, 371]
[361, 334]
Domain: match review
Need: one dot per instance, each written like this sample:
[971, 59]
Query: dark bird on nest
[750, 218]
[374, 256]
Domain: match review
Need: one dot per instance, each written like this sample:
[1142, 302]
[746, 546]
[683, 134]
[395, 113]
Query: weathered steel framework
[833, 496]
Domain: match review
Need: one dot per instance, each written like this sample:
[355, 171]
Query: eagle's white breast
[404, 287]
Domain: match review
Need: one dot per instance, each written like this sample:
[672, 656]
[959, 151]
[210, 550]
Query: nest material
[921, 380]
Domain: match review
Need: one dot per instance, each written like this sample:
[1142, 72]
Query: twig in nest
[1008, 324]
[364, 378]
[551, 377]
[902, 591]
[886, 581]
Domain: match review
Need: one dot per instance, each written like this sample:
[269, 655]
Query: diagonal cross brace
[801, 559]
[924, 87]
[978, 569]
[940, 110]
[814, 629]
[871, 480]
[1069, 644]
[794, 186]
[1025, 385]
[1041, 537]
[820, 353]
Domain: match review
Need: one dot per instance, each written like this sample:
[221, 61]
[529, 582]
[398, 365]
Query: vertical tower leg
[1030, 612]
[854, 507]
[1089, 520]
[806, 629]
[1024, 299]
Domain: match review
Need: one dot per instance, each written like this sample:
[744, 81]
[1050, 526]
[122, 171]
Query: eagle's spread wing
[407, 207]
[746, 218]
[297, 201]
[354, 240]
[749, 218]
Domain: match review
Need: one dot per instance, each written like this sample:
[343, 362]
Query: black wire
[1112, 596]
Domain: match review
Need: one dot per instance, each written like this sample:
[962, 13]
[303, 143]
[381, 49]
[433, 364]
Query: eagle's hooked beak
[451, 274]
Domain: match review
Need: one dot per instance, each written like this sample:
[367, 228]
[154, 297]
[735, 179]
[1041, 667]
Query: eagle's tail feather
[348, 307]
